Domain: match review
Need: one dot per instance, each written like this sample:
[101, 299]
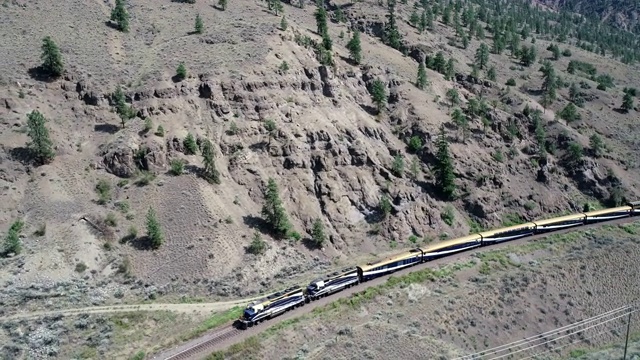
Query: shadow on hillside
[112, 25]
[22, 155]
[348, 61]
[141, 243]
[106, 128]
[369, 109]
[39, 74]
[621, 111]
[256, 223]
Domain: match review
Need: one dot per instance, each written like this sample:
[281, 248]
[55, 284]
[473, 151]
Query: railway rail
[229, 334]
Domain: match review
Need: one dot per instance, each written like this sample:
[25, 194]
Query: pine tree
[422, 25]
[627, 102]
[283, 24]
[378, 94]
[40, 146]
[327, 43]
[491, 74]
[439, 63]
[355, 48]
[443, 169]
[51, 58]
[124, 111]
[154, 232]
[391, 34]
[190, 145]
[181, 72]
[199, 27]
[597, 145]
[222, 4]
[273, 212]
[449, 70]
[12, 244]
[421, 81]
[321, 20]
[460, 121]
[209, 173]
[482, 56]
[277, 7]
[414, 19]
[453, 96]
[317, 233]
[120, 15]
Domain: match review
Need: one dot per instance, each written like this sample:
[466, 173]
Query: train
[277, 303]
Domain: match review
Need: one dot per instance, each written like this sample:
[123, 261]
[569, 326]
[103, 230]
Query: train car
[558, 223]
[451, 246]
[332, 283]
[271, 306]
[635, 208]
[507, 233]
[608, 214]
[400, 261]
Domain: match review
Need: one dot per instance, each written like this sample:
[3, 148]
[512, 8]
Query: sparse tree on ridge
[154, 232]
[627, 102]
[421, 81]
[210, 173]
[355, 48]
[443, 169]
[51, 58]
[199, 27]
[321, 20]
[120, 15]
[317, 233]
[482, 56]
[378, 94]
[273, 211]
[41, 146]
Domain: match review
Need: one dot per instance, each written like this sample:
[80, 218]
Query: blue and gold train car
[608, 214]
[451, 246]
[332, 283]
[272, 305]
[507, 233]
[386, 266]
[561, 222]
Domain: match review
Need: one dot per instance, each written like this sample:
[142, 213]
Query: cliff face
[624, 14]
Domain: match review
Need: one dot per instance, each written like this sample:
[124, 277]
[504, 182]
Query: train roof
[508, 228]
[607, 211]
[275, 296]
[452, 242]
[634, 203]
[392, 259]
[336, 274]
[559, 219]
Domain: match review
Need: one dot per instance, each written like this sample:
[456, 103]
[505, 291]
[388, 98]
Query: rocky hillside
[333, 155]
[623, 14]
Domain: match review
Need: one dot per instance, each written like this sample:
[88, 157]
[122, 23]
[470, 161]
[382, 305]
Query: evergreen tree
[51, 57]
[12, 243]
[181, 72]
[222, 4]
[460, 121]
[414, 19]
[571, 68]
[199, 28]
[120, 15]
[527, 55]
[210, 173]
[443, 169]
[321, 20]
[124, 111]
[378, 94]
[491, 74]
[421, 81]
[40, 146]
[327, 43]
[627, 102]
[284, 24]
[273, 212]
[422, 25]
[277, 7]
[355, 48]
[439, 63]
[317, 233]
[570, 113]
[465, 42]
[391, 34]
[449, 70]
[482, 56]
[453, 96]
[154, 232]
[190, 145]
[596, 144]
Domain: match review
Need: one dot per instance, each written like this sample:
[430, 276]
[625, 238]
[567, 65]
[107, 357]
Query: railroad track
[211, 340]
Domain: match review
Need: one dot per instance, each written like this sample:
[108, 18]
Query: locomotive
[280, 302]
